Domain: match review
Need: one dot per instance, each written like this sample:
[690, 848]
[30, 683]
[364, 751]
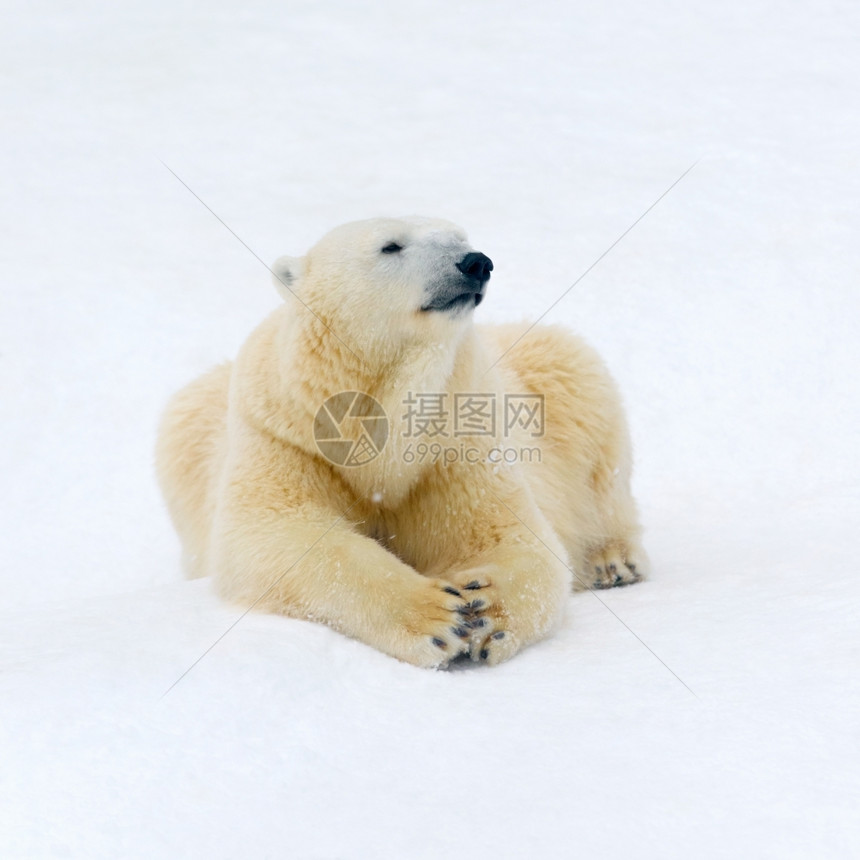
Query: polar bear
[374, 461]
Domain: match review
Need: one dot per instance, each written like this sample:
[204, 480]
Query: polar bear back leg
[582, 482]
[190, 445]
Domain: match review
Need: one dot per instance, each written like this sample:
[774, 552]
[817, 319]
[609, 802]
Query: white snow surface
[710, 712]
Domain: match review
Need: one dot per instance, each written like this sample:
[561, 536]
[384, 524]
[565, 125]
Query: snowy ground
[729, 316]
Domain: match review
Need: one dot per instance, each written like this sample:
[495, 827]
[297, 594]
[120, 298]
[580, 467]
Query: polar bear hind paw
[612, 566]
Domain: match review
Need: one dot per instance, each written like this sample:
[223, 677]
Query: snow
[728, 315]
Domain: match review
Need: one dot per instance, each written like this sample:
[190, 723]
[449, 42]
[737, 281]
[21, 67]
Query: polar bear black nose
[476, 265]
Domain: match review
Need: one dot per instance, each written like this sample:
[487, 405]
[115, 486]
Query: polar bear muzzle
[464, 292]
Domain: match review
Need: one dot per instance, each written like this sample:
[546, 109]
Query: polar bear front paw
[431, 626]
[612, 566]
[490, 639]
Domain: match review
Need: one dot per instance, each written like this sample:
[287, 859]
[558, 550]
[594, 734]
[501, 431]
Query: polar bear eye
[392, 248]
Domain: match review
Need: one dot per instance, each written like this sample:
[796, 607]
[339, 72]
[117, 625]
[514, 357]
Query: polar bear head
[386, 282]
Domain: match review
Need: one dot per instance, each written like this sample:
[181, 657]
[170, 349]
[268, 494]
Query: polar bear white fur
[469, 548]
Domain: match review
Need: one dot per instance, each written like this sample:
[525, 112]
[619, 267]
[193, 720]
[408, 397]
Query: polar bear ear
[286, 272]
